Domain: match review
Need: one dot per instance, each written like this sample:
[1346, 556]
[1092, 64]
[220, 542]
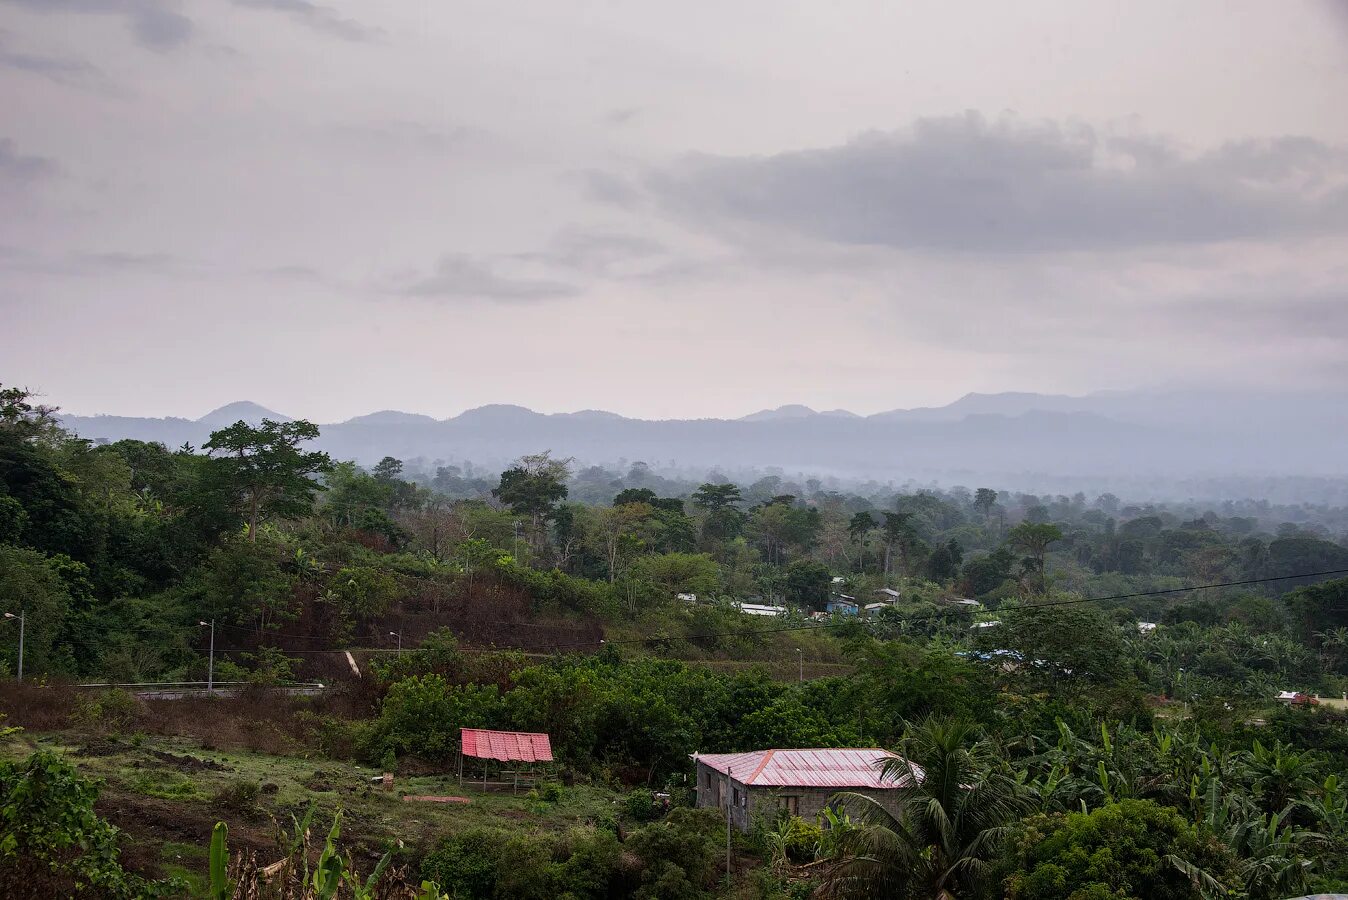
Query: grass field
[167, 793]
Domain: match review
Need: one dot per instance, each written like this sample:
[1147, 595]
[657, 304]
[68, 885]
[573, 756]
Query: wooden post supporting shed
[516, 757]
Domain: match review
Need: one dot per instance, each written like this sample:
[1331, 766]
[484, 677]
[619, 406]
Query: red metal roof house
[802, 782]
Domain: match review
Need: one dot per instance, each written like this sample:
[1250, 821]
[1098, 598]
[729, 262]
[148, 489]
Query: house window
[739, 797]
[790, 803]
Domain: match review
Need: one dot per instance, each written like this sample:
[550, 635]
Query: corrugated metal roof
[506, 746]
[826, 768]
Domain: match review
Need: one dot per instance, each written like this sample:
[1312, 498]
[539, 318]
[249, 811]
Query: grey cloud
[295, 272]
[396, 136]
[319, 18]
[101, 264]
[59, 70]
[462, 277]
[126, 262]
[615, 190]
[18, 167]
[624, 116]
[155, 24]
[1315, 315]
[596, 251]
[964, 184]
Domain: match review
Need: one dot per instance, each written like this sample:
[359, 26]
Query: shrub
[1122, 849]
[679, 853]
[52, 841]
[640, 806]
[108, 712]
[422, 716]
[464, 864]
[590, 866]
[240, 795]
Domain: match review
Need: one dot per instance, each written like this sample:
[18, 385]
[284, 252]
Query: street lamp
[800, 657]
[399, 636]
[20, 617]
[210, 664]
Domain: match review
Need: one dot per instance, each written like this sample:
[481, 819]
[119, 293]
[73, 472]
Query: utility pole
[729, 800]
[800, 657]
[22, 613]
[210, 660]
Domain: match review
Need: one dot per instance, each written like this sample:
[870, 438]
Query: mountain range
[1123, 435]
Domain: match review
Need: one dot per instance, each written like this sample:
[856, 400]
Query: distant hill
[1112, 438]
[242, 410]
[790, 411]
[390, 417]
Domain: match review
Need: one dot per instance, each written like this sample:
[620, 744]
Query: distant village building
[874, 609]
[843, 604]
[887, 594]
[961, 601]
[802, 782]
[762, 609]
[1146, 627]
[993, 623]
[687, 598]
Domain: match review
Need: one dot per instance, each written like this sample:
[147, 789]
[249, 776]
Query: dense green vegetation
[1081, 754]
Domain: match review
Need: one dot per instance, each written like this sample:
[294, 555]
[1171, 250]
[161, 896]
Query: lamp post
[800, 658]
[210, 659]
[399, 636]
[20, 617]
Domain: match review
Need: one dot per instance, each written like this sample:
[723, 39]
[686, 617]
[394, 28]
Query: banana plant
[221, 889]
[328, 873]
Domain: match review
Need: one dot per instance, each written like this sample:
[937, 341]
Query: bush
[422, 716]
[52, 841]
[1116, 850]
[240, 795]
[582, 864]
[465, 864]
[108, 712]
[679, 854]
[640, 806]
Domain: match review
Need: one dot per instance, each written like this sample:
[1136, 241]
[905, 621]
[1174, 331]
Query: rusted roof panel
[506, 746]
[824, 768]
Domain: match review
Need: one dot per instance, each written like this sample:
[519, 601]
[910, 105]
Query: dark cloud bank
[964, 184]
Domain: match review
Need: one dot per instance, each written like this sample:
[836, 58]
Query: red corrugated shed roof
[506, 746]
[829, 768]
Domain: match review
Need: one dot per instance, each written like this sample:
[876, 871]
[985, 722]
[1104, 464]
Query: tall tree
[898, 532]
[533, 487]
[723, 519]
[270, 473]
[857, 529]
[984, 500]
[1033, 539]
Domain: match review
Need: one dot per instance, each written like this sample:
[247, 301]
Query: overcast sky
[666, 209]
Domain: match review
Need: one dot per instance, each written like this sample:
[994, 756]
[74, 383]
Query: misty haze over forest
[1162, 445]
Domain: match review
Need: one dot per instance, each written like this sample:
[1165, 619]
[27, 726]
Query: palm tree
[956, 805]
